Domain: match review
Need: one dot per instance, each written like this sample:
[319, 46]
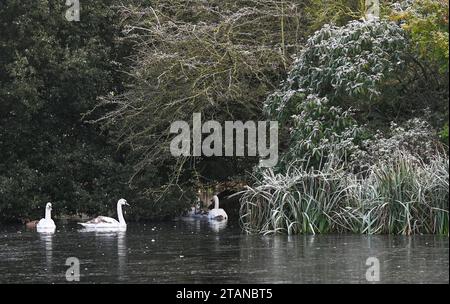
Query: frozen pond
[195, 252]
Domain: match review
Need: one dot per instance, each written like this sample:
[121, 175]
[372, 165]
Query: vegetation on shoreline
[51, 71]
[85, 109]
[401, 196]
[218, 58]
[343, 171]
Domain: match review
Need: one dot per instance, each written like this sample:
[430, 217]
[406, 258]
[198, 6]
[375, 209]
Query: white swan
[104, 222]
[46, 224]
[217, 214]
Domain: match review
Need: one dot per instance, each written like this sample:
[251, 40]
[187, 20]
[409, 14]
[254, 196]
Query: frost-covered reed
[401, 196]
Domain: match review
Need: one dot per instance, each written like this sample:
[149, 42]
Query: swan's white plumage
[46, 224]
[217, 214]
[104, 222]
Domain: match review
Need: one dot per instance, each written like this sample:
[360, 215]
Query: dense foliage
[341, 68]
[426, 21]
[85, 109]
[51, 71]
[343, 168]
[217, 58]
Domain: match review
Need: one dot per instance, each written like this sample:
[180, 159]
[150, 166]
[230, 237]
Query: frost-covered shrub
[340, 67]
[320, 131]
[416, 137]
[349, 64]
[330, 178]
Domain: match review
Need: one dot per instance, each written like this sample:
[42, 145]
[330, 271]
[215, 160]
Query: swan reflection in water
[198, 225]
[46, 239]
[217, 226]
[108, 235]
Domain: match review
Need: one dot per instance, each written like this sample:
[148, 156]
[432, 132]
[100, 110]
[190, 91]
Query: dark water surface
[196, 252]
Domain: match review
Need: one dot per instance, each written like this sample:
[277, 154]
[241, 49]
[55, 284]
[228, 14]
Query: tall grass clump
[401, 196]
[299, 201]
[404, 196]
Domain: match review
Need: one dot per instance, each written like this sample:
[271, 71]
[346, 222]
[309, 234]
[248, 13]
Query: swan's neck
[216, 202]
[120, 214]
[48, 214]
